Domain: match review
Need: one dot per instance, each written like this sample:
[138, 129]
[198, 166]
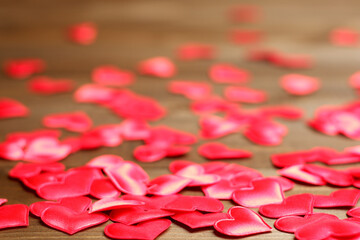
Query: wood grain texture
[133, 30]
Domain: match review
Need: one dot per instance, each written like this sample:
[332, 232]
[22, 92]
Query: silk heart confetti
[242, 222]
[246, 36]
[72, 121]
[10, 108]
[16, 215]
[161, 67]
[110, 75]
[215, 150]
[299, 85]
[339, 198]
[23, 68]
[196, 219]
[195, 51]
[84, 33]
[227, 73]
[190, 89]
[344, 37]
[48, 86]
[244, 95]
[244, 14]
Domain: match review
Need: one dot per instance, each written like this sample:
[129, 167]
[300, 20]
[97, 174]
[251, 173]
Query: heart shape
[134, 215]
[22, 170]
[10, 108]
[48, 86]
[192, 203]
[291, 223]
[354, 212]
[191, 90]
[227, 73]
[216, 150]
[161, 67]
[72, 121]
[243, 222]
[339, 198]
[70, 221]
[332, 176]
[2, 201]
[128, 177]
[75, 183]
[216, 127]
[263, 191]
[198, 176]
[297, 172]
[106, 204]
[36, 181]
[45, 150]
[77, 204]
[167, 184]
[329, 228]
[16, 215]
[104, 161]
[198, 220]
[300, 204]
[297, 84]
[245, 94]
[146, 230]
[112, 76]
[103, 188]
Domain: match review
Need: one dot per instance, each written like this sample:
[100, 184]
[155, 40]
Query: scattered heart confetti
[103, 188]
[246, 36]
[195, 51]
[112, 76]
[190, 89]
[198, 220]
[263, 191]
[106, 204]
[227, 73]
[134, 215]
[299, 85]
[16, 215]
[48, 86]
[192, 203]
[297, 172]
[243, 222]
[344, 37]
[339, 198]
[70, 221]
[10, 108]
[72, 121]
[84, 33]
[161, 67]
[167, 184]
[23, 68]
[146, 230]
[26, 170]
[300, 204]
[354, 212]
[215, 150]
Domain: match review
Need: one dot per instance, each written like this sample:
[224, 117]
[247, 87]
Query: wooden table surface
[130, 31]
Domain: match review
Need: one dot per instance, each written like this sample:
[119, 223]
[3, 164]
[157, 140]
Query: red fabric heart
[329, 228]
[332, 176]
[191, 90]
[112, 76]
[36, 181]
[263, 191]
[215, 127]
[104, 161]
[135, 129]
[292, 223]
[192, 203]
[339, 198]
[220, 190]
[296, 172]
[198, 220]
[245, 95]
[167, 184]
[299, 85]
[146, 230]
[246, 36]
[94, 93]
[71, 121]
[354, 212]
[46, 150]
[195, 51]
[282, 111]
[106, 204]
[266, 132]
[23, 68]
[22, 170]
[291, 61]
[211, 104]
[134, 215]
[149, 153]
[344, 37]
[243, 222]
[128, 177]
[198, 176]
[84, 33]
[69, 221]
[77, 204]
[227, 73]
[300, 204]
[104, 135]
[16, 215]
[48, 86]
[161, 67]
[354, 80]
[103, 188]
[244, 13]
[74, 184]
[166, 136]
[217, 150]
[10, 108]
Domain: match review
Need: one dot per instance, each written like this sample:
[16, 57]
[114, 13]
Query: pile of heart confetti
[109, 188]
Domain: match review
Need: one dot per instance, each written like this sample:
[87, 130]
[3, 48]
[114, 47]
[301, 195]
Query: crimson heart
[167, 184]
[198, 219]
[339, 198]
[243, 222]
[77, 204]
[161, 67]
[217, 150]
[16, 215]
[192, 203]
[329, 228]
[291, 223]
[22, 170]
[103, 188]
[70, 221]
[300, 204]
[134, 215]
[112, 76]
[263, 191]
[146, 230]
